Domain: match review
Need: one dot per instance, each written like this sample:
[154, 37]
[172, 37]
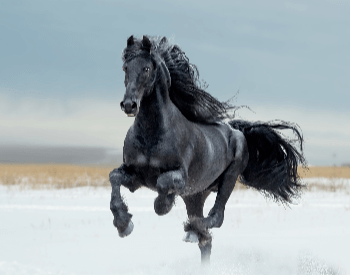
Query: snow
[70, 231]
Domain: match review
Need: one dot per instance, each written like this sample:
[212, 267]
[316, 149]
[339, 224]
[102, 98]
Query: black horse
[180, 144]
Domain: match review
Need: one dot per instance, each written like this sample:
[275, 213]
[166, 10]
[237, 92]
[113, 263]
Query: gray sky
[61, 80]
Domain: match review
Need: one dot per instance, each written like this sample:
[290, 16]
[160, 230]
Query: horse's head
[141, 68]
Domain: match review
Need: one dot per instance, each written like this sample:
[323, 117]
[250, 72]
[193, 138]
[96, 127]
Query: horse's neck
[155, 114]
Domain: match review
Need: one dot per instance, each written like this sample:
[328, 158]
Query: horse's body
[202, 152]
[168, 151]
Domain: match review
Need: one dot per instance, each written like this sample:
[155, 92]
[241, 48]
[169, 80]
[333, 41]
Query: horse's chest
[147, 168]
[150, 161]
[148, 150]
[140, 159]
[158, 157]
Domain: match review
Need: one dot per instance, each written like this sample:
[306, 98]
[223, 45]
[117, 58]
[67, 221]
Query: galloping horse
[181, 145]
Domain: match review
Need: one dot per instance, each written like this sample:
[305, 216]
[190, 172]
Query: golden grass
[67, 176]
[53, 175]
[332, 173]
[325, 172]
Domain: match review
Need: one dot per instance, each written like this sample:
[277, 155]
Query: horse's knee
[119, 177]
[115, 176]
[172, 181]
[163, 185]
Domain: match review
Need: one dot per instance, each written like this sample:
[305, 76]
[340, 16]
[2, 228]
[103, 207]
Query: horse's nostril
[128, 106]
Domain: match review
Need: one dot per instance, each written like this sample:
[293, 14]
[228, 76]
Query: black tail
[273, 160]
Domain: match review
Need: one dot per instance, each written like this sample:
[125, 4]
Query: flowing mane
[186, 91]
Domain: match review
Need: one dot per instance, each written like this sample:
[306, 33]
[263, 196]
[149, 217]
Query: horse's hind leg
[227, 182]
[195, 229]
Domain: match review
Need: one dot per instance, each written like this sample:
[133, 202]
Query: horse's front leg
[169, 185]
[122, 219]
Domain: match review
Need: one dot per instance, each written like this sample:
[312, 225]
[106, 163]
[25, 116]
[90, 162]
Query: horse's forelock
[146, 44]
[133, 51]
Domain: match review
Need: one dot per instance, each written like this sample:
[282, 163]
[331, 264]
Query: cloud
[98, 123]
[59, 154]
[326, 133]
[74, 123]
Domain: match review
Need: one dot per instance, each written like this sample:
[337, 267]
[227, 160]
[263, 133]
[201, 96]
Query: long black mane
[187, 92]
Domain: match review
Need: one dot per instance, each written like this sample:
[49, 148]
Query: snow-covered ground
[70, 231]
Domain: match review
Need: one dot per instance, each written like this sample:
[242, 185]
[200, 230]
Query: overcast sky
[61, 79]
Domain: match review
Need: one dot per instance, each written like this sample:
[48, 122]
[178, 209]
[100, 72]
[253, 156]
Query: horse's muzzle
[129, 107]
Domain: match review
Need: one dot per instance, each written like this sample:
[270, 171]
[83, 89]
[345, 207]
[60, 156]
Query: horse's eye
[146, 69]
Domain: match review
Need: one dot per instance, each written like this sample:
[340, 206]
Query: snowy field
[70, 231]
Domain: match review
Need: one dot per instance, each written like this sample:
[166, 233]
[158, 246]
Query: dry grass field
[326, 172]
[53, 175]
[67, 176]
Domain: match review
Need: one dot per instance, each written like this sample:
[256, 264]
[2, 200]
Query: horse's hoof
[191, 237]
[215, 219]
[163, 204]
[127, 231]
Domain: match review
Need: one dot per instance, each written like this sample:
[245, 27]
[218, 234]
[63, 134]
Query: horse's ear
[163, 40]
[130, 41]
[146, 44]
